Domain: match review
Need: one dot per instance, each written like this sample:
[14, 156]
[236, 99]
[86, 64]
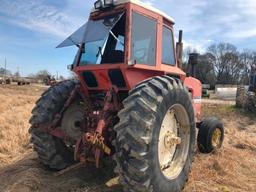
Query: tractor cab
[123, 43]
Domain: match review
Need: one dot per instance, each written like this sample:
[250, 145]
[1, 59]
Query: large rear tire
[51, 151]
[144, 135]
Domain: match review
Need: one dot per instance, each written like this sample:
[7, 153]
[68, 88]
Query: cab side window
[168, 56]
[144, 33]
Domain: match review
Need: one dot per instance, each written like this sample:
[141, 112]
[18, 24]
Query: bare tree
[248, 60]
[205, 70]
[42, 75]
[5, 72]
[17, 74]
[224, 58]
[223, 64]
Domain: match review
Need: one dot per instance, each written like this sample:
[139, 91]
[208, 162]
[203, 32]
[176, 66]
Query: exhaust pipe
[179, 49]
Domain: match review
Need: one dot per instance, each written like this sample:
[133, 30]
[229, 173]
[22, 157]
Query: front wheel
[156, 137]
[210, 136]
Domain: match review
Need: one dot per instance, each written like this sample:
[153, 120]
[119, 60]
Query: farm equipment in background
[252, 84]
[205, 91]
[131, 101]
[11, 79]
[8, 81]
[23, 81]
[5, 80]
[251, 95]
[246, 96]
[50, 80]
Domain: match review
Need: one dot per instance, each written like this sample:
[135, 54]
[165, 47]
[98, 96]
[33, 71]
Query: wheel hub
[216, 138]
[173, 144]
[72, 120]
[170, 140]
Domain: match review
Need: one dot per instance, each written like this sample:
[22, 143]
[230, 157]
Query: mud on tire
[137, 135]
[51, 151]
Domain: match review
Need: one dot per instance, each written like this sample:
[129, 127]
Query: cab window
[110, 47]
[168, 56]
[144, 33]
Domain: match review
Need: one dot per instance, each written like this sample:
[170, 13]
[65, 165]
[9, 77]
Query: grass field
[16, 103]
[233, 168]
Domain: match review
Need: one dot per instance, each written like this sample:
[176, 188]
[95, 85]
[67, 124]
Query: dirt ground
[233, 168]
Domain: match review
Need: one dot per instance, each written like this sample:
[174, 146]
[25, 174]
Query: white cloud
[219, 20]
[243, 33]
[231, 21]
[37, 16]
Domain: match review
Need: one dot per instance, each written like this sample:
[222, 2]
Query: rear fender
[195, 88]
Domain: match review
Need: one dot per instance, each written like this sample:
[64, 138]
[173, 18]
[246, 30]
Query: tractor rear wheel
[155, 137]
[51, 151]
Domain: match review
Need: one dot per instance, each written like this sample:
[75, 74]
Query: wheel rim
[173, 143]
[216, 138]
[71, 122]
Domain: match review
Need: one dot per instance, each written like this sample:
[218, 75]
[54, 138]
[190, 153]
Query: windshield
[109, 48]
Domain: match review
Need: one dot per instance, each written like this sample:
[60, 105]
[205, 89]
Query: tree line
[223, 63]
[44, 74]
[40, 75]
[3, 71]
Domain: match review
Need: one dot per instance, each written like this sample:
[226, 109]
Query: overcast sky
[31, 29]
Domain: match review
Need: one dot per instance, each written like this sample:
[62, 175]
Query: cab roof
[144, 5]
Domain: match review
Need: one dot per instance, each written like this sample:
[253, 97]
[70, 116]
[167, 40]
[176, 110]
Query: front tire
[139, 140]
[210, 135]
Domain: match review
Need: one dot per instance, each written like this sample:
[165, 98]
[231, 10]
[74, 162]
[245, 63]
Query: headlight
[108, 3]
[98, 4]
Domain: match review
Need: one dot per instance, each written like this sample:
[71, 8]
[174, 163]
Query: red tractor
[132, 102]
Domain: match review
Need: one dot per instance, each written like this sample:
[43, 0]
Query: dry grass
[16, 104]
[233, 168]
